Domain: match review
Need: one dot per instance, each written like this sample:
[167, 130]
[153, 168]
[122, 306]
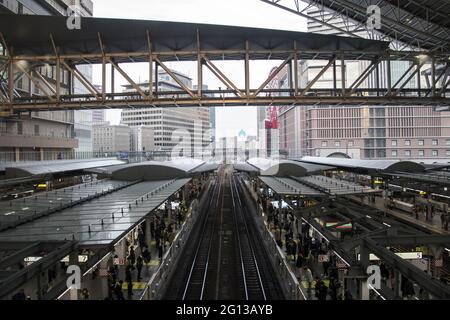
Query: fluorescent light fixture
[387, 225]
[9, 213]
[368, 216]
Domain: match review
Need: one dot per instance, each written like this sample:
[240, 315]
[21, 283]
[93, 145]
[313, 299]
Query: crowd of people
[163, 226]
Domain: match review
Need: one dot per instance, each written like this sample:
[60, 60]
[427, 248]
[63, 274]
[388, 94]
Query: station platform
[433, 224]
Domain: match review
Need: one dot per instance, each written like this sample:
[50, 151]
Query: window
[434, 142]
[408, 153]
[434, 153]
[447, 142]
[394, 143]
[407, 142]
[394, 153]
[337, 143]
[447, 152]
[421, 153]
[36, 130]
[324, 143]
[421, 143]
[350, 143]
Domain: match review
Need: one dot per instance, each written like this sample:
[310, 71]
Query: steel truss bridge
[46, 41]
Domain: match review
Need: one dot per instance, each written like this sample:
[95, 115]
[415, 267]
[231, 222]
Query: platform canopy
[100, 221]
[285, 168]
[30, 35]
[367, 166]
[41, 168]
[157, 170]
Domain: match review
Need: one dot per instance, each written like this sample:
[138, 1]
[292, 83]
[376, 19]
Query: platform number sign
[374, 279]
[74, 280]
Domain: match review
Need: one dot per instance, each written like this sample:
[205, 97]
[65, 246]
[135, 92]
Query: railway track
[227, 259]
[196, 281]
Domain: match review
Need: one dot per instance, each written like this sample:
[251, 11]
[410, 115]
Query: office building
[45, 134]
[111, 138]
[172, 126]
[361, 132]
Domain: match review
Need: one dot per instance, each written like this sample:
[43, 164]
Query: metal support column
[112, 82]
[58, 78]
[11, 80]
[291, 82]
[334, 79]
[388, 73]
[199, 68]
[433, 76]
[295, 69]
[247, 67]
[156, 80]
[343, 74]
[104, 79]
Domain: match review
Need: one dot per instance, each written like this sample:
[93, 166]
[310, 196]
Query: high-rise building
[46, 134]
[111, 138]
[98, 116]
[362, 132]
[170, 126]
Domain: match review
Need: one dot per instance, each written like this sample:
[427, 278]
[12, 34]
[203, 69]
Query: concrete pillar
[396, 282]
[364, 261]
[17, 154]
[41, 150]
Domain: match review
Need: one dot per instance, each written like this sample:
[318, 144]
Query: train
[400, 205]
[409, 207]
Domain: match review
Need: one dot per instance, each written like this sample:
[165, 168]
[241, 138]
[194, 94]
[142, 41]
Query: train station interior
[334, 183]
[158, 229]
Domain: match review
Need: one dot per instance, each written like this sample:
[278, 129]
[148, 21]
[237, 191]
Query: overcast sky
[251, 13]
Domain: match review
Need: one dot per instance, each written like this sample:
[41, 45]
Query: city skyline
[233, 12]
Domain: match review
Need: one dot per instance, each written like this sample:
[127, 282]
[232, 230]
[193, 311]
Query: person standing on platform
[152, 228]
[306, 275]
[321, 289]
[141, 237]
[131, 257]
[160, 250]
[118, 290]
[129, 281]
[139, 265]
[146, 254]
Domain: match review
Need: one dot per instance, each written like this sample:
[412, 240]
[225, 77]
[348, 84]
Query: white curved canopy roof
[368, 165]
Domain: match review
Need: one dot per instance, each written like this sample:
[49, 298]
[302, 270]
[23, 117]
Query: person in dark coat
[129, 281]
[139, 264]
[20, 295]
[131, 257]
[321, 289]
[146, 254]
[118, 290]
